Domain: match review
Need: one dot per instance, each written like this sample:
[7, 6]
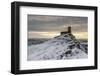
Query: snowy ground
[61, 47]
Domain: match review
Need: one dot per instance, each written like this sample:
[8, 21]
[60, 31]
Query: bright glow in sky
[81, 35]
[43, 34]
[78, 35]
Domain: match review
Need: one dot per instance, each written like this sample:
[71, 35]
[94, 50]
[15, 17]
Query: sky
[49, 26]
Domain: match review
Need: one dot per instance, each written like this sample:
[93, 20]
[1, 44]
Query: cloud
[47, 23]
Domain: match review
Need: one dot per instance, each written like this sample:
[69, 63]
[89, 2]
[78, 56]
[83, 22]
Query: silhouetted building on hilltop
[66, 32]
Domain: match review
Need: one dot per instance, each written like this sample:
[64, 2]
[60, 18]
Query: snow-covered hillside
[61, 47]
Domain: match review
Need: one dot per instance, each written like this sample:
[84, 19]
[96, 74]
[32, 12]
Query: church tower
[69, 29]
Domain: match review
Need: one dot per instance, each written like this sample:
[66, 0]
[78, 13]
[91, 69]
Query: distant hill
[34, 41]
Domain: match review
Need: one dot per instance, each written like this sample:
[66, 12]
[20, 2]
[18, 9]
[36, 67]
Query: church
[66, 32]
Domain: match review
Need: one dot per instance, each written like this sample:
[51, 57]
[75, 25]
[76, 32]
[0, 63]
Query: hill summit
[64, 46]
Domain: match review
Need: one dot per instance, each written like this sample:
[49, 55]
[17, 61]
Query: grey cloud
[56, 23]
